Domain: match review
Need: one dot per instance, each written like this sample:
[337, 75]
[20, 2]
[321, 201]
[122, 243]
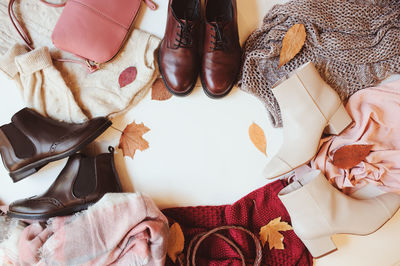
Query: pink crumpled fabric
[120, 229]
[376, 115]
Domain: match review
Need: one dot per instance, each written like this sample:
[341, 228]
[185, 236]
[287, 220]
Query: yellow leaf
[270, 233]
[292, 43]
[132, 140]
[257, 136]
[176, 241]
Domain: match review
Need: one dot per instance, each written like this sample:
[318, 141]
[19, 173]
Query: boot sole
[62, 212]
[165, 82]
[32, 168]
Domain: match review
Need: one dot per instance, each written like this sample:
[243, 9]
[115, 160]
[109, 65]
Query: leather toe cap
[179, 69]
[179, 84]
[34, 205]
[217, 86]
[217, 76]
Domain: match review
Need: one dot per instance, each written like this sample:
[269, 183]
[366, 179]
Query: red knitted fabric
[251, 212]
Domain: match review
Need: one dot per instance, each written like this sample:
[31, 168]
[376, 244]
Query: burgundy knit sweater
[251, 212]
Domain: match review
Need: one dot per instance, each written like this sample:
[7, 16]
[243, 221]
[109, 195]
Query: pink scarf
[376, 115]
[120, 229]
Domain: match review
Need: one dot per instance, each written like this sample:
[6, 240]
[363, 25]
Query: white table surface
[200, 152]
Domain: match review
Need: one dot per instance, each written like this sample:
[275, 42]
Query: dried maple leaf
[349, 156]
[127, 76]
[132, 140]
[159, 92]
[292, 43]
[270, 233]
[257, 136]
[176, 241]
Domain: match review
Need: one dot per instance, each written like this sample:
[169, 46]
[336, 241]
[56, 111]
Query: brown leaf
[257, 136]
[159, 92]
[292, 43]
[176, 241]
[127, 76]
[270, 233]
[131, 139]
[349, 156]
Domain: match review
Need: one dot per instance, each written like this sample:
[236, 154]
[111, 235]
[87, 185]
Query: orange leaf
[131, 139]
[292, 43]
[159, 92]
[349, 156]
[257, 136]
[270, 233]
[176, 241]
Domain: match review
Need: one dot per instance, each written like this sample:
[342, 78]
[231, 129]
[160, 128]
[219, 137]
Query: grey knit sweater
[353, 44]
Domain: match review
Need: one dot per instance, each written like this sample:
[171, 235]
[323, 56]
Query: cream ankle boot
[308, 105]
[318, 210]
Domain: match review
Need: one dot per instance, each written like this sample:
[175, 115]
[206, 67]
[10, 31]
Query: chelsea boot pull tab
[111, 149]
[150, 4]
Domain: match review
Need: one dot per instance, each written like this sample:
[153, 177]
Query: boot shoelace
[184, 35]
[218, 41]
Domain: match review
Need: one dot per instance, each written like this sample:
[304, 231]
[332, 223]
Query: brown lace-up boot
[178, 56]
[221, 50]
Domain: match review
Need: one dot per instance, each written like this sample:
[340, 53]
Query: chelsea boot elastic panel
[308, 105]
[221, 48]
[178, 56]
[31, 141]
[318, 211]
[83, 181]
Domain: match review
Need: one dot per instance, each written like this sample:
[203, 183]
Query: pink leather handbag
[94, 30]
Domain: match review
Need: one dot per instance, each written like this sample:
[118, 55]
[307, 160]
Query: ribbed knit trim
[7, 61]
[33, 61]
[146, 44]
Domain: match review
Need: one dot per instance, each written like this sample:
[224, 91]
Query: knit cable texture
[353, 44]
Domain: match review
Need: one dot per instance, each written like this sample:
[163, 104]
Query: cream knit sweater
[67, 91]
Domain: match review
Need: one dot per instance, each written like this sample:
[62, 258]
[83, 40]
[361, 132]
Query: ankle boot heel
[314, 227]
[339, 121]
[19, 175]
[319, 247]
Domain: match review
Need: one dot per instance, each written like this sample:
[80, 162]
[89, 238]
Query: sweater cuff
[33, 61]
[7, 61]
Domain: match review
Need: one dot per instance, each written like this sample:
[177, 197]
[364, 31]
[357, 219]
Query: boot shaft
[86, 178]
[306, 85]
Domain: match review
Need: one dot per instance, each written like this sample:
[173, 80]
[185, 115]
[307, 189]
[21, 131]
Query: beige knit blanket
[353, 44]
[67, 91]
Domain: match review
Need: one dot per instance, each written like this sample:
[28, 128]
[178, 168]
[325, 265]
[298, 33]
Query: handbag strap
[18, 26]
[150, 4]
[92, 67]
[53, 4]
[199, 238]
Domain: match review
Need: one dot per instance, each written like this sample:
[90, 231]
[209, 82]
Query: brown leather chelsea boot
[221, 49]
[31, 141]
[82, 182]
[178, 56]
